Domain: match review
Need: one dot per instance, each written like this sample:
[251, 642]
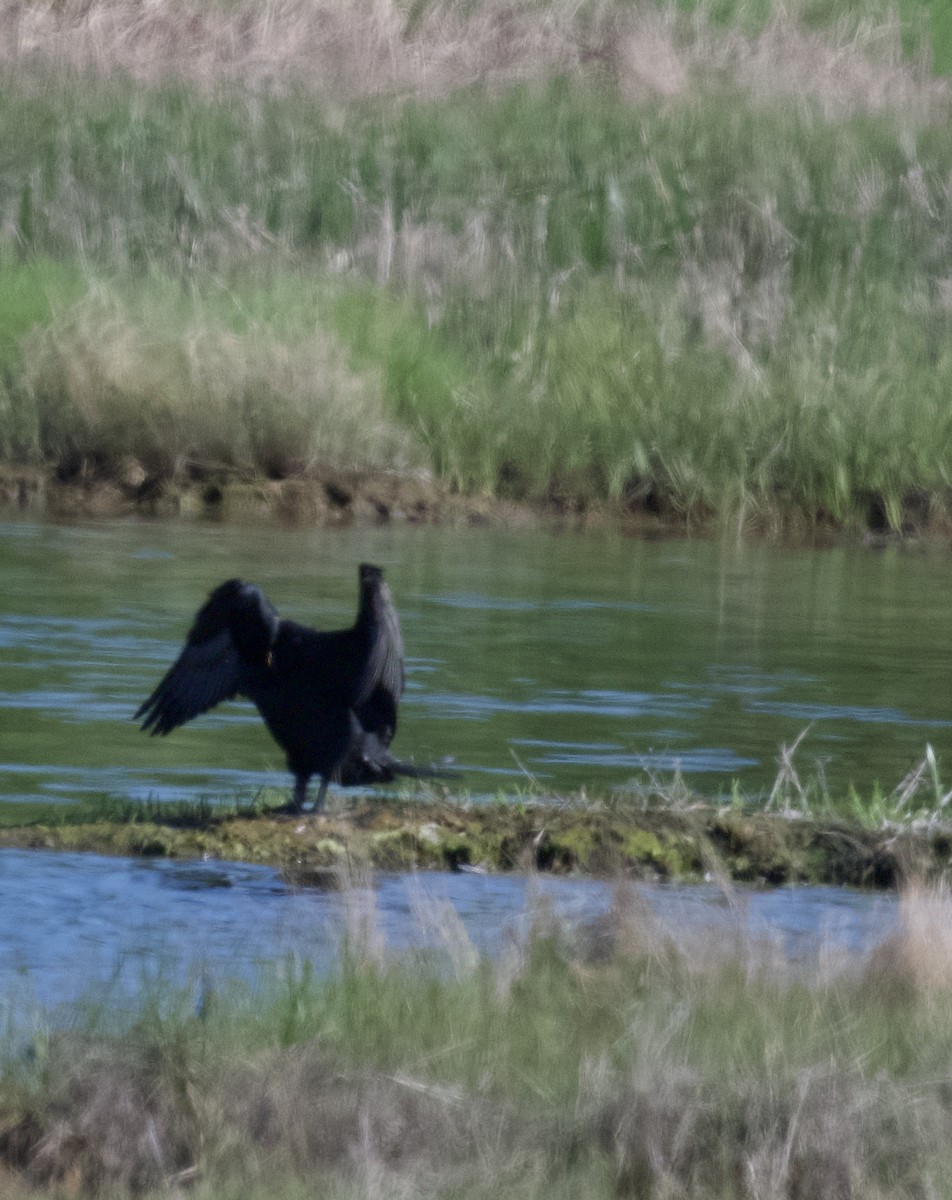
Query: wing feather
[202, 676]
[381, 681]
[210, 667]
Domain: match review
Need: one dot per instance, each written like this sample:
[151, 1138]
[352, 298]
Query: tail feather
[372, 762]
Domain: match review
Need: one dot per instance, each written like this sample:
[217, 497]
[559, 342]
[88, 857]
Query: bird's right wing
[384, 667]
[210, 667]
[381, 681]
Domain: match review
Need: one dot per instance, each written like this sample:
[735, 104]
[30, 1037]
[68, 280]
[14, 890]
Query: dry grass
[851, 69]
[714, 285]
[728, 301]
[918, 956]
[122, 391]
[623, 1059]
[429, 49]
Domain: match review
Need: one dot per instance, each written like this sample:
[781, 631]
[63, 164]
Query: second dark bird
[329, 698]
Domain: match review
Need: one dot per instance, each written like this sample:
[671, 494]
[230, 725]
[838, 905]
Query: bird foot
[286, 810]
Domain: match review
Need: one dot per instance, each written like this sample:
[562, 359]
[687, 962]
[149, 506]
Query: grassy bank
[877, 842]
[623, 1059]
[675, 260]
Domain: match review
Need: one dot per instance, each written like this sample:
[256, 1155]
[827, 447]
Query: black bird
[329, 698]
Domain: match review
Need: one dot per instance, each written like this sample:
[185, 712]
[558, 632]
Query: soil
[337, 497]
[330, 497]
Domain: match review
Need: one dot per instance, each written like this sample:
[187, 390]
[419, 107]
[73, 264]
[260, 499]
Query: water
[73, 926]
[579, 661]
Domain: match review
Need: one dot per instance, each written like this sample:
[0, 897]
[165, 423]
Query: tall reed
[689, 262]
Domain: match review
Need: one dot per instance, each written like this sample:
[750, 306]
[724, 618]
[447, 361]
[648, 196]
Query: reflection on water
[578, 660]
[70, 922]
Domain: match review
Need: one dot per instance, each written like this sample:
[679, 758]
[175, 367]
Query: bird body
[329, 698]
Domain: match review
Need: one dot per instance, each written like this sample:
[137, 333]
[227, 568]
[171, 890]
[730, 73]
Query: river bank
[334, 498]
[701, 841]
[328, 498]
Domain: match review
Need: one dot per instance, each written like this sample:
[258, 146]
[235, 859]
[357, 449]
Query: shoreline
[340, 498]
[331, 497]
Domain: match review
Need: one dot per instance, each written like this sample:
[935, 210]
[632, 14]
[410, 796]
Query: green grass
[627, 1060]
[720, 303]
[29, 290]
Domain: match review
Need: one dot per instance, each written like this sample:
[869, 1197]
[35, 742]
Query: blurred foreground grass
[623, 1058]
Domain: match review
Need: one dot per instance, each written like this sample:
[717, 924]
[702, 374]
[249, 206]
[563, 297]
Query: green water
[577, 661]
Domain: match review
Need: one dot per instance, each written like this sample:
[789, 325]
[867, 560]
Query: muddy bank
[335, 497]
[684, 845]
[330, 498]
[204, 493]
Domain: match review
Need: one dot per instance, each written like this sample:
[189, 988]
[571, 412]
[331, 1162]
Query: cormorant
[329, 698]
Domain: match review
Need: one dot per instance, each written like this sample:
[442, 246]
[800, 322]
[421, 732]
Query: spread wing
[211, 667]
[380, 684]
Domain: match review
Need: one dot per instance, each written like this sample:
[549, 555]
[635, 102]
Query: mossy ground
[697, 842]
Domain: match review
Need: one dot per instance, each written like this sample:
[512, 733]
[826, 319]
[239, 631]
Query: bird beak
[269, 660]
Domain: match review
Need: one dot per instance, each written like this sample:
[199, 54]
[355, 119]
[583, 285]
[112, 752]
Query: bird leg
[322, 792]
[300, 792]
